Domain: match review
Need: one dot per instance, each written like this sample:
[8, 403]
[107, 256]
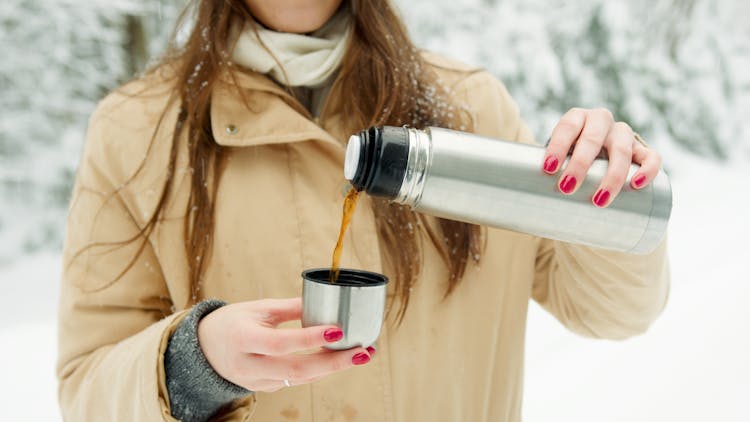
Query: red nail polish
[568, 184]
[601, 197]
[550, 164]
[638, 181]
[371, 351]
[333, 334]
[360, 358]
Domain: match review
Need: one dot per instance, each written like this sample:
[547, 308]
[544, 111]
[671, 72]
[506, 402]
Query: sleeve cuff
[196, 390]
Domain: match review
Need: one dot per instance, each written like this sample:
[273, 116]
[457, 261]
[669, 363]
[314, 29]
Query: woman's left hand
[588, 131]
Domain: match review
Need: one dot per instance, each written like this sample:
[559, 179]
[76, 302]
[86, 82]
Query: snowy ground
[28, 339]
[693, 365]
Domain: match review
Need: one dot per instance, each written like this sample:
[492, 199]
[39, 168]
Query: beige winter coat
[278, 212]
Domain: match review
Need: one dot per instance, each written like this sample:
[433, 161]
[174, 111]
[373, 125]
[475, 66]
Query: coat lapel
[250, 109]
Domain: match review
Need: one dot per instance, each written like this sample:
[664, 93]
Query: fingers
[587, 133]
[272, 341]
[267, 373]
[297, 376]
[300, 369]
[598, 125]
[619, 145]
[270, 386]
[563, 136]
[650, 162]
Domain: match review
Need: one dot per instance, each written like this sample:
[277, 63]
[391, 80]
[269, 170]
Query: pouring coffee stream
[350, 204]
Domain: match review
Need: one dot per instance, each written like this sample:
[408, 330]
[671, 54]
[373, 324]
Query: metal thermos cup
[355, 303]
[465, 177]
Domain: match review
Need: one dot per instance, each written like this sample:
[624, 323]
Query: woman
[233, 147]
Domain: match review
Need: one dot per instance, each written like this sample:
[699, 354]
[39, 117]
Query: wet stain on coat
[349, 413]
[290, 413]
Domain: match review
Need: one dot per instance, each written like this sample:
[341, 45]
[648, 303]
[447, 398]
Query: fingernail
[601, 197]
[638, 181]
[333, 334]
[360, 358]
[567, 184]
[550, 164]
[371, 351]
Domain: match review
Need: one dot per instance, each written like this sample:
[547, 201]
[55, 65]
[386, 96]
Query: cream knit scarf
[300, 60]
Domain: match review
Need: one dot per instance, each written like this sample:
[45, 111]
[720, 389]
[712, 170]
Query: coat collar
[251, 109]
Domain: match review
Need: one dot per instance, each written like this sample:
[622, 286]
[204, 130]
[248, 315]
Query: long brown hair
[381, 62]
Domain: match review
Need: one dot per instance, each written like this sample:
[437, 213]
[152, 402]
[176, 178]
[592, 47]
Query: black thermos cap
[384, 152]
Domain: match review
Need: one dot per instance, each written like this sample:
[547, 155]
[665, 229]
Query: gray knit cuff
[196, 391]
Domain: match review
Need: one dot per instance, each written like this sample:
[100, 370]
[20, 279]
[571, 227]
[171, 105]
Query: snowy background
[677, 70]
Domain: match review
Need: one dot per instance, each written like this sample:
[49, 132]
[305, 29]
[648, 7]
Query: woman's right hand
[243, 345]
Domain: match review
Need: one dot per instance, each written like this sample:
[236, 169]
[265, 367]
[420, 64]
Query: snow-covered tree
[59, 58]
[674, 69]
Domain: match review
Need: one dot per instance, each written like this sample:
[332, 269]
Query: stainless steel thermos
[470, 178]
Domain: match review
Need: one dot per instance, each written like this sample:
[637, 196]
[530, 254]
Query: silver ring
[287, 383]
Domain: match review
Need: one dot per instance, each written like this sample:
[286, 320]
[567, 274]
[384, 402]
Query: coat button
[232, 129]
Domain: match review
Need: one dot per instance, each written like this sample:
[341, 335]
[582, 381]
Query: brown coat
[278, 212]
